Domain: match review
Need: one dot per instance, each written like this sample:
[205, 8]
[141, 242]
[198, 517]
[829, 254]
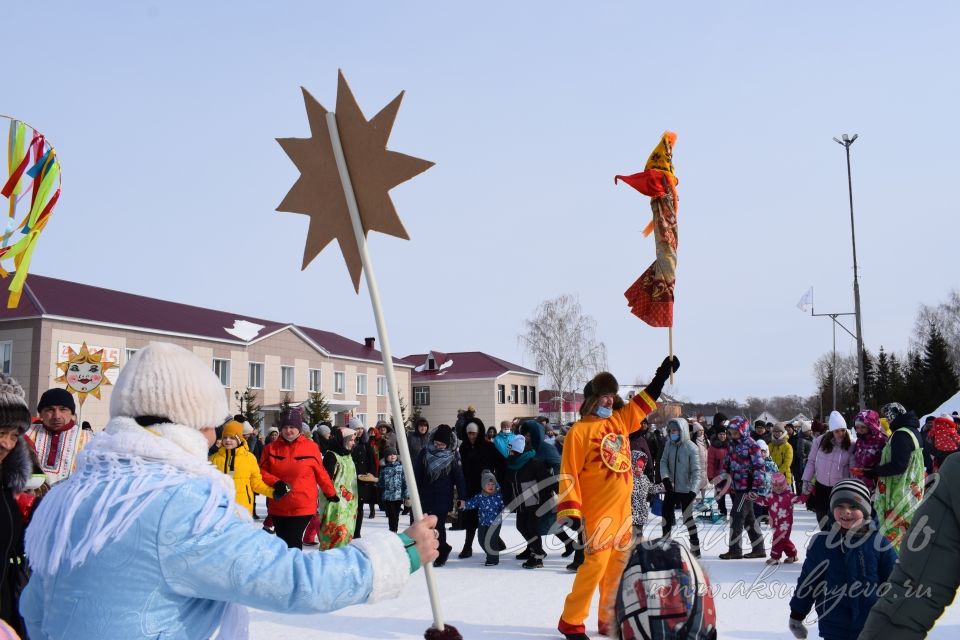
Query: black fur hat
[13, 406]
[602, 384]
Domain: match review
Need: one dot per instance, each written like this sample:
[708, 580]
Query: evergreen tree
[285, 406]
[939, 378]
[914, 385]
[897, 384]
[869, 382]
[249, 408]
[882, 387]
[317, 409]
[407, 418]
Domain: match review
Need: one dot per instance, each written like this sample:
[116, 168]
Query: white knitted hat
[836, 421]
[167, 381]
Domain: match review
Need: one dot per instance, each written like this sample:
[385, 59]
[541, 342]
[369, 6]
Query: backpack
[664, 595]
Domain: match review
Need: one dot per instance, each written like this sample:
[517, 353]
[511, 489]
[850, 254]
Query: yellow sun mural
[83, 372]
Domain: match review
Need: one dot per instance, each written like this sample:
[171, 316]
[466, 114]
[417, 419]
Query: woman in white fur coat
[145, 539]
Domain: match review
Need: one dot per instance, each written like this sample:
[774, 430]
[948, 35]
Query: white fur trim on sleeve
[390, 563]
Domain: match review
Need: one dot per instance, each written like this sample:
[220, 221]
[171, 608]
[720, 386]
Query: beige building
[445, 382]
[272, 359]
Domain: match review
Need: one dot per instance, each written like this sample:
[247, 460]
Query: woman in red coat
[296, 460]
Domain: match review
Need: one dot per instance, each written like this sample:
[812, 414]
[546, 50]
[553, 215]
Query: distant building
[560, 408]
[499, 390]
[271, 358]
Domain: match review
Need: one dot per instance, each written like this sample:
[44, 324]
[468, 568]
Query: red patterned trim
[645, 402]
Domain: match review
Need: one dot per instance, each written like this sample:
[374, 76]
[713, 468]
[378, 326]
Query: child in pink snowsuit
[780, 511]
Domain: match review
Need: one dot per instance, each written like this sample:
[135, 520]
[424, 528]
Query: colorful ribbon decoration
[32, 166]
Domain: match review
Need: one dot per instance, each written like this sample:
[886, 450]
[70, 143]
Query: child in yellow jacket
[234, 459]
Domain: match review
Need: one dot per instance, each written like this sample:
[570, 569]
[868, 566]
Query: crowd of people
[79, 505]
[144, 530]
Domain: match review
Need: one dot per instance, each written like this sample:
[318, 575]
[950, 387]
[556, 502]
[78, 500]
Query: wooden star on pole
[374, 170]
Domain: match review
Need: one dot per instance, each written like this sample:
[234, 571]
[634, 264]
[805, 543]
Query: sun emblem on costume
[613, 452]
[83, 372]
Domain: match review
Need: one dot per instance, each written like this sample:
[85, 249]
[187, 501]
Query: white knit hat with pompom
[167, 381]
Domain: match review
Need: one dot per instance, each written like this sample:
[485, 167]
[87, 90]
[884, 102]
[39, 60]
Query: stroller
[706, 510]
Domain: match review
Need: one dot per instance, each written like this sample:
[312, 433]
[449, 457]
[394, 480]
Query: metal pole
[847, 141]
[834, 366]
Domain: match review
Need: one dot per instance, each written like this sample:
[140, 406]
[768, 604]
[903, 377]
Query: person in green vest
[925, 580]
[899, 476]
[338, 520]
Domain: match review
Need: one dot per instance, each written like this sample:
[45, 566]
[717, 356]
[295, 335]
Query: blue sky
[164, 115]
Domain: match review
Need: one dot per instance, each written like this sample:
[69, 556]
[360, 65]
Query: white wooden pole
[385, 351]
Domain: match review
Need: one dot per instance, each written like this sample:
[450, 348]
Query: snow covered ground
[508, 602]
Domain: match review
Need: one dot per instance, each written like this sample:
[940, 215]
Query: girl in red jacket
[295, 459]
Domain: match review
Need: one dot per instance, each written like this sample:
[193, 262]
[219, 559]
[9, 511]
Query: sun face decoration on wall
[612, 450]
[84, 372]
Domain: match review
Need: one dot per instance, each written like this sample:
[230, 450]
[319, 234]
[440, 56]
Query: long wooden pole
[385, 351]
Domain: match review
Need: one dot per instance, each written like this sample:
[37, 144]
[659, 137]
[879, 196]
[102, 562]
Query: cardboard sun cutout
[84, 372]
[374, 170]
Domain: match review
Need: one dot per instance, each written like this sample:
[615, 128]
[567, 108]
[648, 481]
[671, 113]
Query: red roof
[43, 296]
[465, 365]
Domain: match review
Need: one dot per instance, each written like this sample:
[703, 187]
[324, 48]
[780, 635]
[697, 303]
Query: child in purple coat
[867, 449]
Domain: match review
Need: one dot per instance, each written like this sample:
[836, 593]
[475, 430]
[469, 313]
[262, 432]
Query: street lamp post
[846, 142]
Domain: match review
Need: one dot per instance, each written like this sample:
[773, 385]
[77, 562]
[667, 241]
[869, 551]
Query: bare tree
[563, 343]
[945, 316]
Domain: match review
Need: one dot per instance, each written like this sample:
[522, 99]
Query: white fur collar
[173, 444]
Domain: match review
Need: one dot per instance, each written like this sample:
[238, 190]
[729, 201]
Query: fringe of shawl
[129, 466]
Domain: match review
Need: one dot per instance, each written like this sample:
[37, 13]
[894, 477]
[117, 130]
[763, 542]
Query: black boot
[524, 555]
[441, 560]
[468, 543]
[577, 561]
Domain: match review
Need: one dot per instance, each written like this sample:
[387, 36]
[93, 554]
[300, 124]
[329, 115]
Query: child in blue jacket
[845, 567]
[393, 487]
[490, 505]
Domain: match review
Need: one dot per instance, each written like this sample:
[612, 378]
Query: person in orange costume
[595, 488]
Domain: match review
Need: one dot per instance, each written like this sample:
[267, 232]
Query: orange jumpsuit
[595, 486]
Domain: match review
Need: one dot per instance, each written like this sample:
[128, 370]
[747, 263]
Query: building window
[421, 396]
[255, 375]
[129, 354]
[514, 394]
[533, 395]
[339, 381]
[361, 384]
[381, 385]
[381, 417]
[221, 367]
[6, 356]
[362, 417]
[286, 378]
[501, 394]
[314, 380]
[523, 394]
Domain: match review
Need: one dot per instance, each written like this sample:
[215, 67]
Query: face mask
[675, 437]
[603, 412]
